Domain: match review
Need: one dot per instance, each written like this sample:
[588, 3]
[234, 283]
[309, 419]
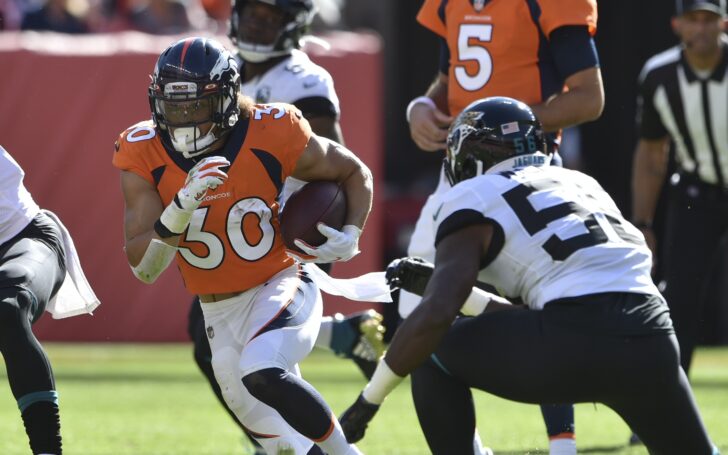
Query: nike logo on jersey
[310, 84]
[437, 212]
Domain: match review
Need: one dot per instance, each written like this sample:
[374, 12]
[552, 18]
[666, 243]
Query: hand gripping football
[317, 202]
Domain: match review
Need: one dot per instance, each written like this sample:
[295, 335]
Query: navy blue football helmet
[195, 83]
[295, 21]
[489, 131]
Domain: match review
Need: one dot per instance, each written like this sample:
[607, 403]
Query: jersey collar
[517, 162]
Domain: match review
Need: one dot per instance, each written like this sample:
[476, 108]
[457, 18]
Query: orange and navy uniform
[503, 47]
[233, 242]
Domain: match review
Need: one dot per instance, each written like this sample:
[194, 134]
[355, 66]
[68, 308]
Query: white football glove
[340, 245]
[204, 176]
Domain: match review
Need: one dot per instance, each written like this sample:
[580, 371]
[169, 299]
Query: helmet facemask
[199, 112]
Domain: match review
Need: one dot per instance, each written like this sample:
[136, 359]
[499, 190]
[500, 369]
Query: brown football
[317, 202]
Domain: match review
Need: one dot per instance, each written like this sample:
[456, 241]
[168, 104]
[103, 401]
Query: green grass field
[150, 399]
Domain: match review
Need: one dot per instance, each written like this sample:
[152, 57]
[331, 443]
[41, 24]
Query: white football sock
[323, 340]
[562, 446]
[335, 443]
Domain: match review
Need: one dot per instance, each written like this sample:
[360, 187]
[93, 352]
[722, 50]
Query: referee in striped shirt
[684, 99]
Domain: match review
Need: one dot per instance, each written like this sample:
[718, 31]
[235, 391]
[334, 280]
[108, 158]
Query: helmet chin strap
[255, 56]
[185, 139]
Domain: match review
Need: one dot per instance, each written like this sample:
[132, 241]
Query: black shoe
[634, 440]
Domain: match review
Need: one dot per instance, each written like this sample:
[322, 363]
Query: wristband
[175, 219]
[383, 381]
[478, 301]
[156, 259]
[162, 230]
[419, 100]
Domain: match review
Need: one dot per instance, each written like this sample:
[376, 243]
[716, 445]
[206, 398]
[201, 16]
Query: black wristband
[162, 231]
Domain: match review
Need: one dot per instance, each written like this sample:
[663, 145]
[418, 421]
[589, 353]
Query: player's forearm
[648, 175]
[582, 103]
[149, 255]
[437, 91]
[359, 190]
[421, 333]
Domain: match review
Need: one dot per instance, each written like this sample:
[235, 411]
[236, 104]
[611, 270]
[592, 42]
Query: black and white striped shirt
[692, 108]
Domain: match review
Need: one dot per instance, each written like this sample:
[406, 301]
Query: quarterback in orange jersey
[201, 183]
[540, 52]
[533, 50]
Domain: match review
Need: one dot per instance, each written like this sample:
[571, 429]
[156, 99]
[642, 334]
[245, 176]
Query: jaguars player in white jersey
[594, 327]
[267, 36]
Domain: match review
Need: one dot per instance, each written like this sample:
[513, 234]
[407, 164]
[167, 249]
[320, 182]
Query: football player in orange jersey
[267, 36]
[540, 52]
[201, 183]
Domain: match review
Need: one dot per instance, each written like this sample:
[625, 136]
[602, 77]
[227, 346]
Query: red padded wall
[64, 100]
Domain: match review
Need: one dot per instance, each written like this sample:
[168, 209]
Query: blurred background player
[36, 256]
[267, 37]
[553, 238]
[201, 184]
[540, 52]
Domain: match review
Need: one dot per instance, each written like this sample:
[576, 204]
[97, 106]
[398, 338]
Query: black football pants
[696, 223]
[31, 273]
[567, 353]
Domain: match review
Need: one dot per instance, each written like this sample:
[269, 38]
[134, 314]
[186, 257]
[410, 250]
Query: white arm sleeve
[156, 259]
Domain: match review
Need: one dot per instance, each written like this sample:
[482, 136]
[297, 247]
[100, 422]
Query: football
[317, 202]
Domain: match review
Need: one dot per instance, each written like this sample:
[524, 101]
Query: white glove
[205, 175]
[340, 245]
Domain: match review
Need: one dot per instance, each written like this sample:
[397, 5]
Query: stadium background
[64, 100]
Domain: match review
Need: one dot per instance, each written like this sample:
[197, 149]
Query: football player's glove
[339, 246]
[410, 274]
[354, 420]
[205, 175]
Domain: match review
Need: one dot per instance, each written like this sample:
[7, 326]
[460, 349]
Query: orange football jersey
[500, 47]
[233, 242]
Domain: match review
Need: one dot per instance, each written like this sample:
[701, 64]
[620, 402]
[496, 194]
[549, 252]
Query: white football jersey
[17, 207]
[291, 80]
[563, 236]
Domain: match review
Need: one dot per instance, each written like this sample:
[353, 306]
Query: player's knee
[15, 304]
[264, 384]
